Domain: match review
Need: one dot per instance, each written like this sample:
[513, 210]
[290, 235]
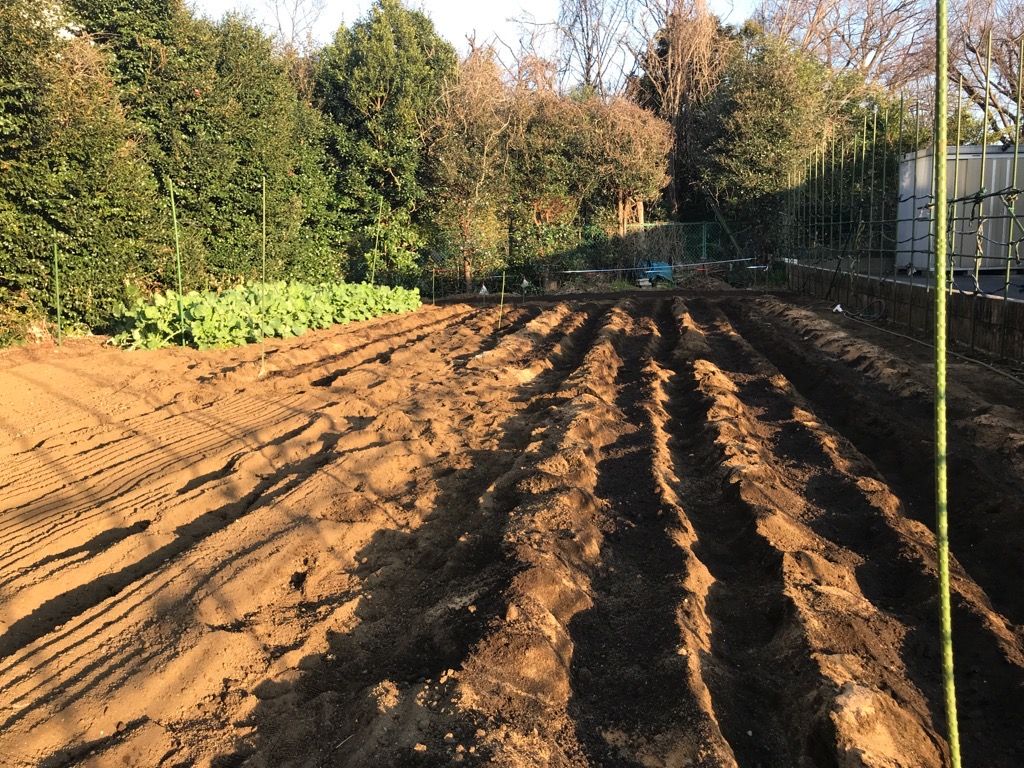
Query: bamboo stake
[56, 286]
[871, 195]
[913, 234]
[501, 305]
[177, 259]
[1013, 184]
[899, 159]
[984, 157]
[941, 494]
[956, 174]
[263, 284]
[376, 241]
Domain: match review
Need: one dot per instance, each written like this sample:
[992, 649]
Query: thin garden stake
[177, 260]
[376, 241]
[56, 285]
[871, 192]
[981, 180]
[941, 497]
[899, 160]
[956, 172]
[501, 305]
[263, 286]
[1012, 207]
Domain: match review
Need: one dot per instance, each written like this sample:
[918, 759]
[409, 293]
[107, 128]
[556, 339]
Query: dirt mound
[654, 533]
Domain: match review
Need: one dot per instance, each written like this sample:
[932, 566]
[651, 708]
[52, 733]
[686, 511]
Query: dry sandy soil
[661, 533]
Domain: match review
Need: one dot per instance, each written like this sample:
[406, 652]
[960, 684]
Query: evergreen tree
[381, 83]
[69, 168]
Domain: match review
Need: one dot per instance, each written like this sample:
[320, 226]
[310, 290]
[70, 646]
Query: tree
[469, 164]
[628, 155]
[70, 169]
[219, 111]
[680, 67]
[593, 40]
[381, 83]
[971, 24]
[889, 42]
[770, 113]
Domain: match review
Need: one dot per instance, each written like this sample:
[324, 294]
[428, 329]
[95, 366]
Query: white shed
[914, 242]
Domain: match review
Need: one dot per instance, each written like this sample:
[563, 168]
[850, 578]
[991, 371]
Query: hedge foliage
[249, 313]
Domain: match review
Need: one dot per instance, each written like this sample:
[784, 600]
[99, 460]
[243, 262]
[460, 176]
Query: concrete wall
[982, 323]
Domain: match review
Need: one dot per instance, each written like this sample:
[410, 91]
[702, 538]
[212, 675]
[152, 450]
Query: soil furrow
[634, 681]
[420, 619]
[759, 669]
[853, 509]
[601, 535]
[887, 416]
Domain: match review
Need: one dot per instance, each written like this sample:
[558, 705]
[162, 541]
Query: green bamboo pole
[896, 245]
[263, 284]
[956, 172]
[376, 242]
[56, 287]
[984, 154]
[789, 211]
[883, 221]
[913, 231]
[863, 181]
[838, 195]
[1013, 181]
[821, 198]
[981, 184]
[501, 305]
[832, 197]
[941, 497]
[871, 194]
[177, 260]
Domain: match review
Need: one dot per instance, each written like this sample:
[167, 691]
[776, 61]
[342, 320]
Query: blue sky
[454, 19]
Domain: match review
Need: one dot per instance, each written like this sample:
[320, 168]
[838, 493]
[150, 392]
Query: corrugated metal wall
[983, 224]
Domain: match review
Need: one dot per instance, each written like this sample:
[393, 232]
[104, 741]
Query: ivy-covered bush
[252, 312]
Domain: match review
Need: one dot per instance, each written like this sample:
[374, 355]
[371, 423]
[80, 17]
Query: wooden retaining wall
[977, 322]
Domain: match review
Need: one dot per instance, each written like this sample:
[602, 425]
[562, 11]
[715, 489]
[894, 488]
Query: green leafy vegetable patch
[249, 313]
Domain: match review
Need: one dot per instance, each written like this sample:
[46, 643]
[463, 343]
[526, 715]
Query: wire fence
[863, 209]
[650, 256]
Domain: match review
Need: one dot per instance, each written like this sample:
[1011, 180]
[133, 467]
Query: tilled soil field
[661, 532]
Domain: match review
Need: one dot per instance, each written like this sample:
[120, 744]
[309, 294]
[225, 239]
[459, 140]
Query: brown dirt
[663, 532]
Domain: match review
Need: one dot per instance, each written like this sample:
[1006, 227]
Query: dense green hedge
[249, 313]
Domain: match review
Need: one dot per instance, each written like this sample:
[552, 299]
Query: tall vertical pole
[177, 260]
[832, 198]
[913, 241]
[984, 158]
[871, 192]
[56, 285]
[882, 209]
[501, 306]
[819, 216]
[263, 248]
[1013, 173]
[899, 161]
[839, 194]
[860, 202]
[956, 178]
[981, 188]
[805, 198]
[263, 283]
[941, 497]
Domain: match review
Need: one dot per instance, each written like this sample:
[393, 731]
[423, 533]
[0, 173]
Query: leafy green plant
[249, 312]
